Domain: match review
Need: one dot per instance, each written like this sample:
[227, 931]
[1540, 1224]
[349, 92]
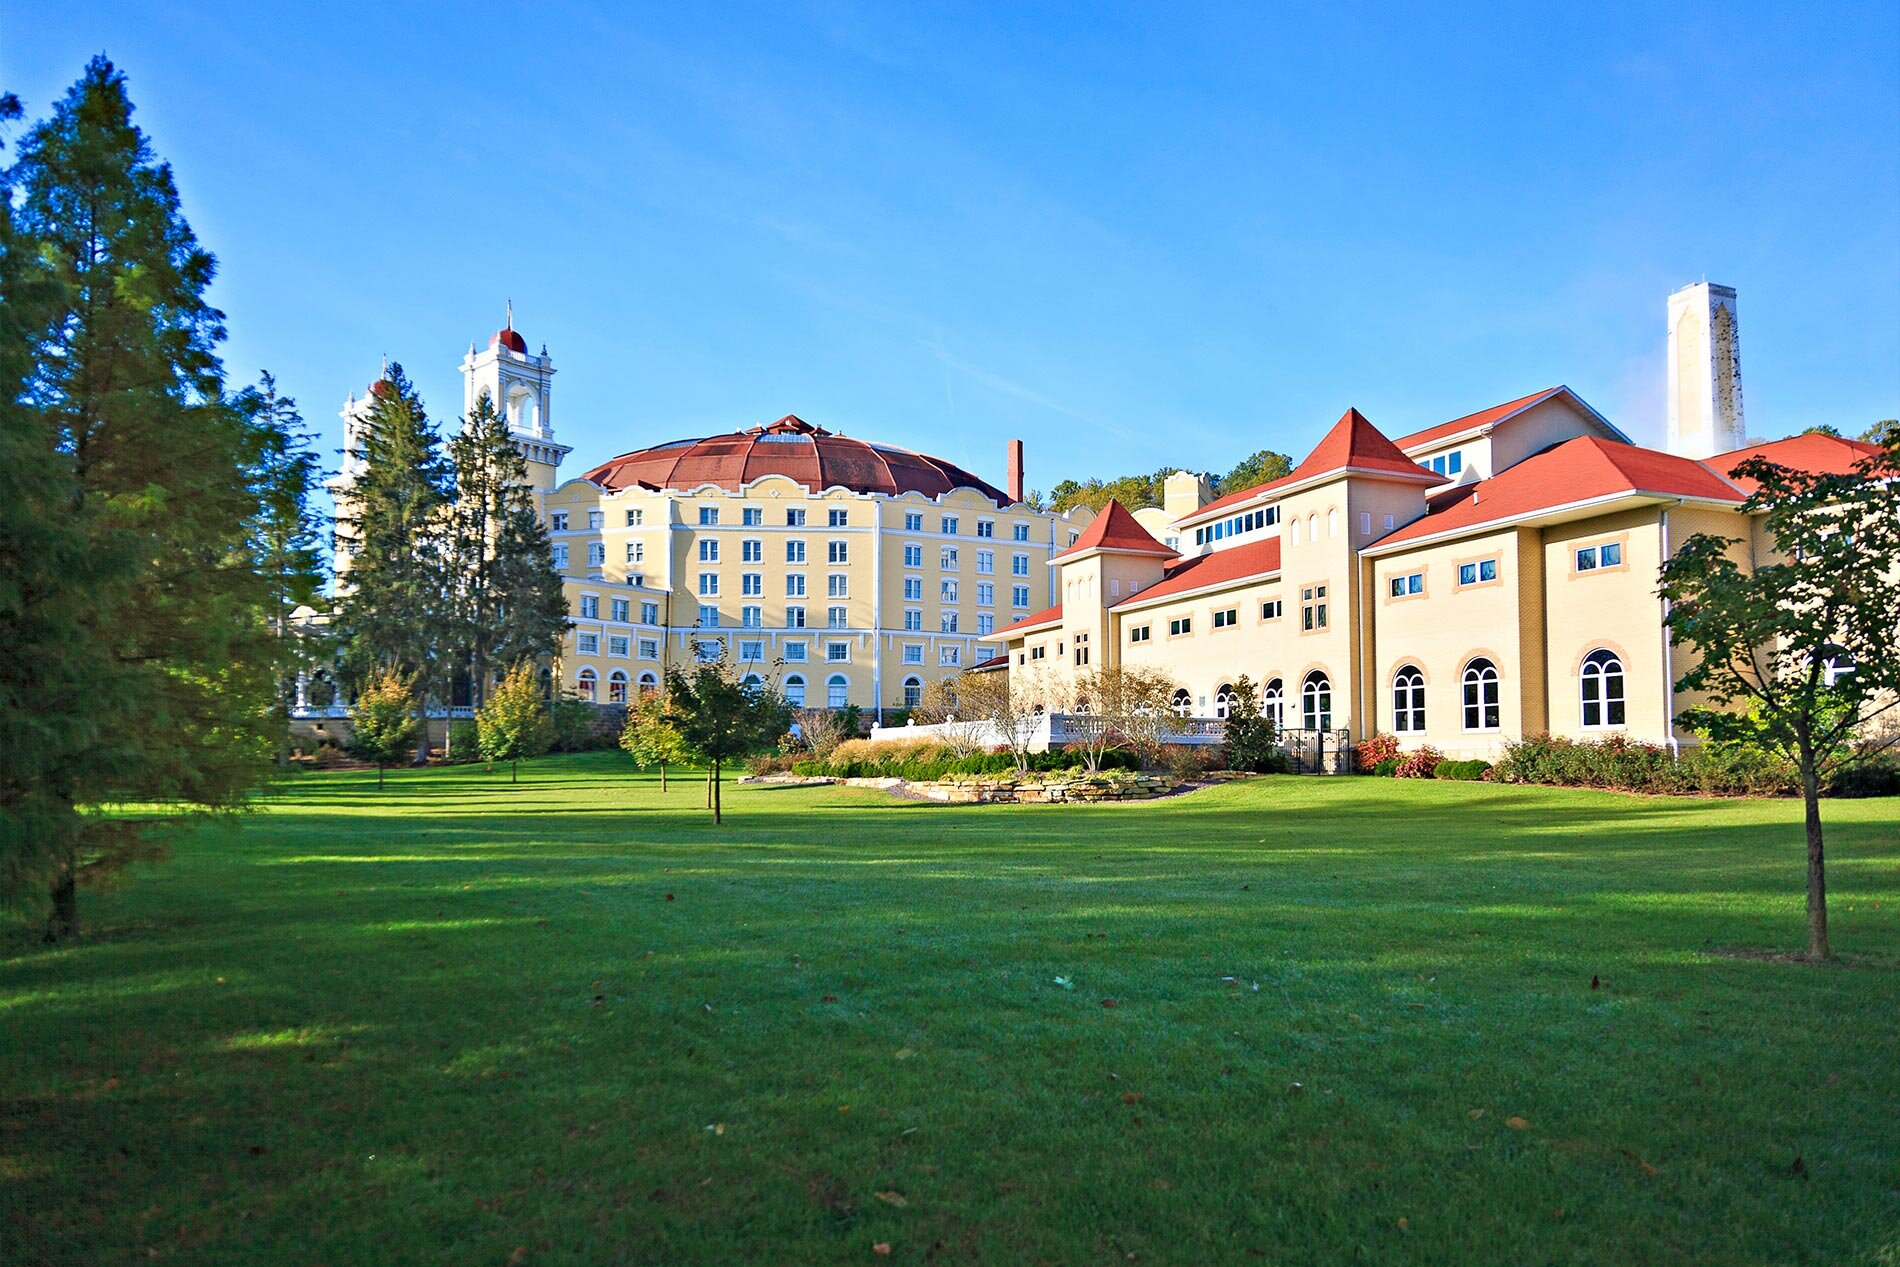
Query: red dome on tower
[507, 338]
[795, 449]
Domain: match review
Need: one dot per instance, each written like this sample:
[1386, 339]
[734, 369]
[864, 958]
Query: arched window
[913, 692]
[1296, 530]
[1312, 526]
[1182, 704]
[1273, 703]
[1332, 522]
[649, 683]
[1223, 700]
[523, 411]
[1082, 705]
[752, 682]
[585, 685]
[1481, 695]
[1316, 701]
[1602, 689]
[616, 687]
[795, 691]
[1408, 700]
[837, 691]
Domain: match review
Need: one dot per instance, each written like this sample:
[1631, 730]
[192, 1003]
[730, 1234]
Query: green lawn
[571, 1022]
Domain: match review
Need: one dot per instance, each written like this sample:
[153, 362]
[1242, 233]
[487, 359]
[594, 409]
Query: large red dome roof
[793, 448]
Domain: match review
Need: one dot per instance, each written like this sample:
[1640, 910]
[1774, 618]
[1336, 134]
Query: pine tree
[396, 613]
[170, 631]
[510, 607]
[286, 531]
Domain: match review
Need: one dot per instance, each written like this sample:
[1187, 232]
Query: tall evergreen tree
[161, 690]
[509, 604]
[396, 612]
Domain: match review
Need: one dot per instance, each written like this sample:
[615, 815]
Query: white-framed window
[596, 554]
[1408, 700]
[794, 585]
[752, 616]
[837, 691]
[1179, 625]
[1481, 695]
[949, 525]
[947, 561]
[617, 645]
[913, 555]
[838, 652]
[837, 585]
[985, 528]
[949, 656]
[1226, 618]
[985, 624]
[560, 554]
[752, 516]
[709, 549]
[1140, 633]
[709, 583]
[795, 550]
[838, 617]
[1273, 703]
[586, 685]
[649, 613]
[913, 522]
[1182, 705]
[587, 643]
[752, 550]
[1601, 690]
[1407, 584]
[1271, 609]
[793, 651]
[1224, 700]
[1020, 532]
[590, 606]
[709, 615]
[752, 650]
[1019, 565]
[706, 650]
[913, 690]
[1607, 555]
[794, 517]
[1477, 573]
[838, 518]
[986, 561]
[1316, 701]
[648, 683]
[635, 518]
[913, 618]
[913, 589]
[1081, 649]
[1019, 596]
[557, 521]
[636, 552]
[913, 653]
[948, 622]
[837, 552]
[596, 520]
[794, 616]
[986, 593]
[1365, 523]
[649, 648]
[947, 591]
[616, 687]
[620, 609]
[708, 516]
[795, 690]
[1388, 523]
[751, 584]
[1313, 616]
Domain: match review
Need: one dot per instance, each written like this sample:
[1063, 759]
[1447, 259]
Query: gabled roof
[1814, 451]
[986, 666]
[1498, 415]
[1118, 531]
[1047, 616]
[1583, 469]
[1353, 444]
[1206, 571]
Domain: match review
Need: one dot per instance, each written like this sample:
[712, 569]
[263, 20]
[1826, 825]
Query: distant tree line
[1137, 491]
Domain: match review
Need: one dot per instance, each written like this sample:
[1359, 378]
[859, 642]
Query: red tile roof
[1471, 422]
[1256, 558]
[994, 662]
[1352, 444]
[1821, 454]
[1582, 469]
[1047, 616]
[1116, 529]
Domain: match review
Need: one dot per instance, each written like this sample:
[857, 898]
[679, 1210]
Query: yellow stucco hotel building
[1460, 585]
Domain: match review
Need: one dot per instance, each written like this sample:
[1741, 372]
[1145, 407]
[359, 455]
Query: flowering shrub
[1419, 764]
[1368, 755]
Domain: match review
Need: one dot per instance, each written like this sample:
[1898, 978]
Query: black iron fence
[1318, 751]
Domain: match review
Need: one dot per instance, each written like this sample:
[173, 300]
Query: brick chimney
[1015, 486]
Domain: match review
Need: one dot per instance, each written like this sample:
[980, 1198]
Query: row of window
[1600, 688]
[754, 517]
[619, 609]
[1316, 702]
[1448, 463]
[1252, 521]
[837, 688]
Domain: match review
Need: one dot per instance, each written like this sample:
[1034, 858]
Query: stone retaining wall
[1002, 789]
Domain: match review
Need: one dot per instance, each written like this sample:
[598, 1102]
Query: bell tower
[1705, 372]
[521, 387]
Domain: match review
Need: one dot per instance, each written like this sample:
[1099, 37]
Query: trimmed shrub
[1462, 771]
[465, 741]
[1711, 769]
[1386, 767]
[1374, 752]
[1419, 764]
[926, 761]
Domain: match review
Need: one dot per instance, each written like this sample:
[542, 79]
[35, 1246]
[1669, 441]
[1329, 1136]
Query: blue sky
[1133, 236]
